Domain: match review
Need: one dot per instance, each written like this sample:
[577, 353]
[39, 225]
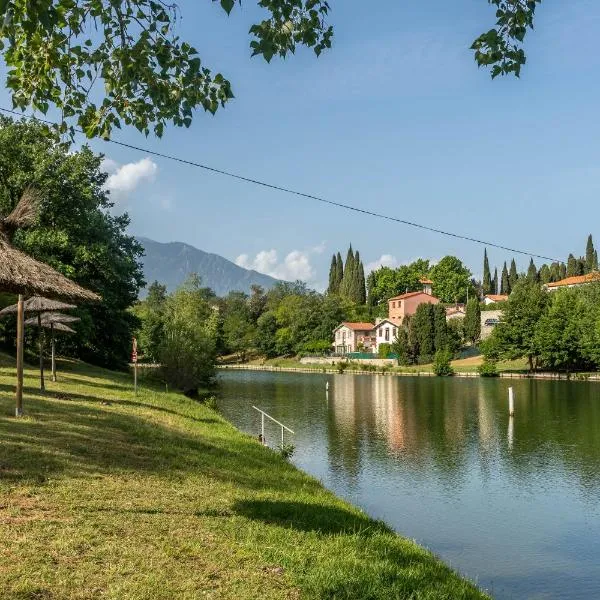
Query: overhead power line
[285, 190]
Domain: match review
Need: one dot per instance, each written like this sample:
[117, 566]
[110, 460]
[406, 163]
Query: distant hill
[170, 264]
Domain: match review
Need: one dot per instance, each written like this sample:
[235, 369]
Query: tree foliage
[451, 280]
[76, 233]
[472, 321]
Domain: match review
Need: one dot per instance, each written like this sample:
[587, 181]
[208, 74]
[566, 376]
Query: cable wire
[285, 190]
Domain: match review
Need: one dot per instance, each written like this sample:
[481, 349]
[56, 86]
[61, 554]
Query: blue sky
[395, 118]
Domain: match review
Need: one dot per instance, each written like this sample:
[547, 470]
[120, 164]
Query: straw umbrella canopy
[23, 275]
[55, 322]
[39, 305]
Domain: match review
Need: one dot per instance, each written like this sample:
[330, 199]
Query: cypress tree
[581, 265]
[513, 276]
[355, 294]
[589, 255]
[440, 328]
[562, 270]
[371, 285]
[555, 272]
[572, 266]
[487, 280]
[333, 289]
[505, 283]
[346, 287]
[595, 264]
[339, 276]
[532, 273]
[472, 322]
[362, 289]
[424, 331]
[545, 275]
[495, 282]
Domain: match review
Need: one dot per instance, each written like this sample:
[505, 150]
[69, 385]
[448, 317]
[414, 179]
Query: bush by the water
[488, 368]
[441, 364]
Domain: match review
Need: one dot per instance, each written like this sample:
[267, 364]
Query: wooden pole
[20, 340]
[53, 353]
[41, 342]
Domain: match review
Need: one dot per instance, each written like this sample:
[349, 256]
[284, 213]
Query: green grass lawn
[104, 494]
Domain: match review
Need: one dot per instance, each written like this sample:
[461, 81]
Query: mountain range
[170, 264]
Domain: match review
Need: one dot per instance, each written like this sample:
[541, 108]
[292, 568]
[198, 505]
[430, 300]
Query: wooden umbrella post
[41, 341]
[20, 341]
[53, 353]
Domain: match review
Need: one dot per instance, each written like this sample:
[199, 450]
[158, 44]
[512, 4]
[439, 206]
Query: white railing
[263, 414]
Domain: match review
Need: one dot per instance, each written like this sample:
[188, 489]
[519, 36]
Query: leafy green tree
[451, 280]
[104, 63]
[514, 336]
[487, 277]
[505, 281]
[513, 275]
[150, 313]
[424, 331]
[441, 363]
[257, 303]
[590, 254]
[188, 350]
[456, 333]
[555, 272]
[472, 321]
[76, 234]
[558, 334]
[563, 271]
[238, 326]
[266, 330]
[372, 300]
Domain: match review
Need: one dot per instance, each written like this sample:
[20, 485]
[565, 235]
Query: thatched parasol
[23, 275]
[55, 322]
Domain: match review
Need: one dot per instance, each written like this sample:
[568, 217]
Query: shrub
[384, 350]
[286, 450]
[211, 402]
[488, 368]
[441, 364]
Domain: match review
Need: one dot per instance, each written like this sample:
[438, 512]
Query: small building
[456, 312]
[494, 299]
[489, 320]
[427, 286]
[571, 282]
[385, 333]
[406, 305]
[354, 337]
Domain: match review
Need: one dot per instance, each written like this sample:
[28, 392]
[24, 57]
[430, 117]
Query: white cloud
[126, 178]
[295, 265]
[385, 260]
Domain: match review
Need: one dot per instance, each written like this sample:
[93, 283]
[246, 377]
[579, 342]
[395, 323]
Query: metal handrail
[263, 414]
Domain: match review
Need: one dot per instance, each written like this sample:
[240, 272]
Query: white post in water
[327, 386]
[511, 402]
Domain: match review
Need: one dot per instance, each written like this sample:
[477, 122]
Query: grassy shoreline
[105, 494]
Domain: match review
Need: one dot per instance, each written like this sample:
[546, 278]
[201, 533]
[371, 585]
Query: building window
[387, 334]
[381, 333]
[393, 305]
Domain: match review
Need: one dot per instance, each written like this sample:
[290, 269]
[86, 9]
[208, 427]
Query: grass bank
[104, 494]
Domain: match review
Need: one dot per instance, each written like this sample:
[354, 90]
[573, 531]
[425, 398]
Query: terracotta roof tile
[497, 297]
[410, 295]
[359, 326]
[576, 280]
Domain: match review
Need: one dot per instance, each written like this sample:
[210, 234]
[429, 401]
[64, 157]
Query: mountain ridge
[171, 263]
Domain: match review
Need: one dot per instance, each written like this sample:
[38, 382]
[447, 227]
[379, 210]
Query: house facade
[456, 312]
[385, 332]
[571, 282]
[406, 305]
[354, 337]
[494, 299]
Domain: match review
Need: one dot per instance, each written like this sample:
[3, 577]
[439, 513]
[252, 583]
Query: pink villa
[406, 305]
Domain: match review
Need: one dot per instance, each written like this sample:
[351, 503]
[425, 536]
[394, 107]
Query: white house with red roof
[576, 281]
[354, 337]
[494, 299]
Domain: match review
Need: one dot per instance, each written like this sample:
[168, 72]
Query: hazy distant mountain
[170, 264]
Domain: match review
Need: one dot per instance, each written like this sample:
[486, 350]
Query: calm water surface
[512, 503]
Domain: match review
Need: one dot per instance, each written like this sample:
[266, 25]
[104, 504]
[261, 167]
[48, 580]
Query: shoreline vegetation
[516, 369]
[115, 495]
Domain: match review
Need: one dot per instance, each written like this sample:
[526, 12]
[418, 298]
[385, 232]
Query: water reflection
[510, 501]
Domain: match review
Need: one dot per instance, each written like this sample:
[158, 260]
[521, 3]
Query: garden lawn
[104, 494]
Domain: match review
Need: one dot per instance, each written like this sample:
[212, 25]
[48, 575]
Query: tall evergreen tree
[505, 283]
[472, 322]
[495, 282]
[581, 265]
[371, 285]
[545, 276]
[339, 274]
[347, 280]
[362, 288]
[589, 255]
[532, 273]
[487, 278]
[513, 276]
[595, 264]
[424, 331]
[333, 287]
[562, 271]
[555, 274]
[572, 266]
[440, 328]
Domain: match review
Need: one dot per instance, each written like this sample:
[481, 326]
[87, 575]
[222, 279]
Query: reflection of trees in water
[440, 426]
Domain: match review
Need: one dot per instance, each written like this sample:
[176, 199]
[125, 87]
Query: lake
[512, 503]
